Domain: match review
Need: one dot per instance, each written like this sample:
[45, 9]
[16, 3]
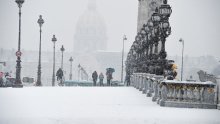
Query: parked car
[28, 80]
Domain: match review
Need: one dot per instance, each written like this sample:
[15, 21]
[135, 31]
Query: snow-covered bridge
[92, 105]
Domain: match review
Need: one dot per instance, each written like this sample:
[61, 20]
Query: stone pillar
[163, 95]
[150, 88]
[145, 83]
[141, 82]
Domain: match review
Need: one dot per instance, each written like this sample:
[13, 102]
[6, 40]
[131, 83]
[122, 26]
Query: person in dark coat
[59, 75]
[109, 72]
[94, 77]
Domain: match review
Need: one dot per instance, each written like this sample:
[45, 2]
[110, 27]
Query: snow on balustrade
[173, 93]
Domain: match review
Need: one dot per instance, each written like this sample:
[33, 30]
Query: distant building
[90, 33]
[90, 44]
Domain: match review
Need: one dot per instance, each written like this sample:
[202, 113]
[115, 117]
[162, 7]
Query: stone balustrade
[143, 82]
[173, 93]
[218, 92]
[186, 94]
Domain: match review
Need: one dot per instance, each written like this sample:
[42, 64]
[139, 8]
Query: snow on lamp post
[54, 39]
[18, 53]
[40, 22]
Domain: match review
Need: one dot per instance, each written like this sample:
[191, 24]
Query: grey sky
[196, 21]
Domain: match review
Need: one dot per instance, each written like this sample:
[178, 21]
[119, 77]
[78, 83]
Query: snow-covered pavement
[92, 105]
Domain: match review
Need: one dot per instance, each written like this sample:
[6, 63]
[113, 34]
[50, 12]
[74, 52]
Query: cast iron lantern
[156, 16]
[165, 10]
[19, 2]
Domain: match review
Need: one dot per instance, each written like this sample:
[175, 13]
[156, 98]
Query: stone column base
[140, 89]
[158, 101]
[149, 93]
[154, 98]
[144, 91]
[179, 104]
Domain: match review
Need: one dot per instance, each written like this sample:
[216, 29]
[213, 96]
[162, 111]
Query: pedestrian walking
[101, 77]
[59, 75]
[94, 77]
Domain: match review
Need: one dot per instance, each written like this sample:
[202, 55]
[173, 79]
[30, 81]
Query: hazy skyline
[197, 22]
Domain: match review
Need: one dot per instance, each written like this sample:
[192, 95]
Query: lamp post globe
[18, 82]
[54, 39]
[40, 22]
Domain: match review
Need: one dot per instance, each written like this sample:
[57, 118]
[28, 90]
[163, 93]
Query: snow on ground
[92, 105]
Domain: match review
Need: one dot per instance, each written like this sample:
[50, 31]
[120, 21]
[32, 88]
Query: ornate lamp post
[71, 61]
[122, 63]
[40, 22]
[165, 30]
[181, 40]
[165, 12]
[156, 20]
[18, 53]
[62, 50]
[54, 39]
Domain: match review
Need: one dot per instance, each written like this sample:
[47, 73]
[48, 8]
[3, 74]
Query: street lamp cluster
[40, 21]
[147, 53]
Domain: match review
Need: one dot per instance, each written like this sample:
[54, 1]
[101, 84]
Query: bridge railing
[218, 91]
[173, 93]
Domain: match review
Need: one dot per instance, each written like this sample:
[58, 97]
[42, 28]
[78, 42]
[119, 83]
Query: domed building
[90, 33]
[90, 45]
